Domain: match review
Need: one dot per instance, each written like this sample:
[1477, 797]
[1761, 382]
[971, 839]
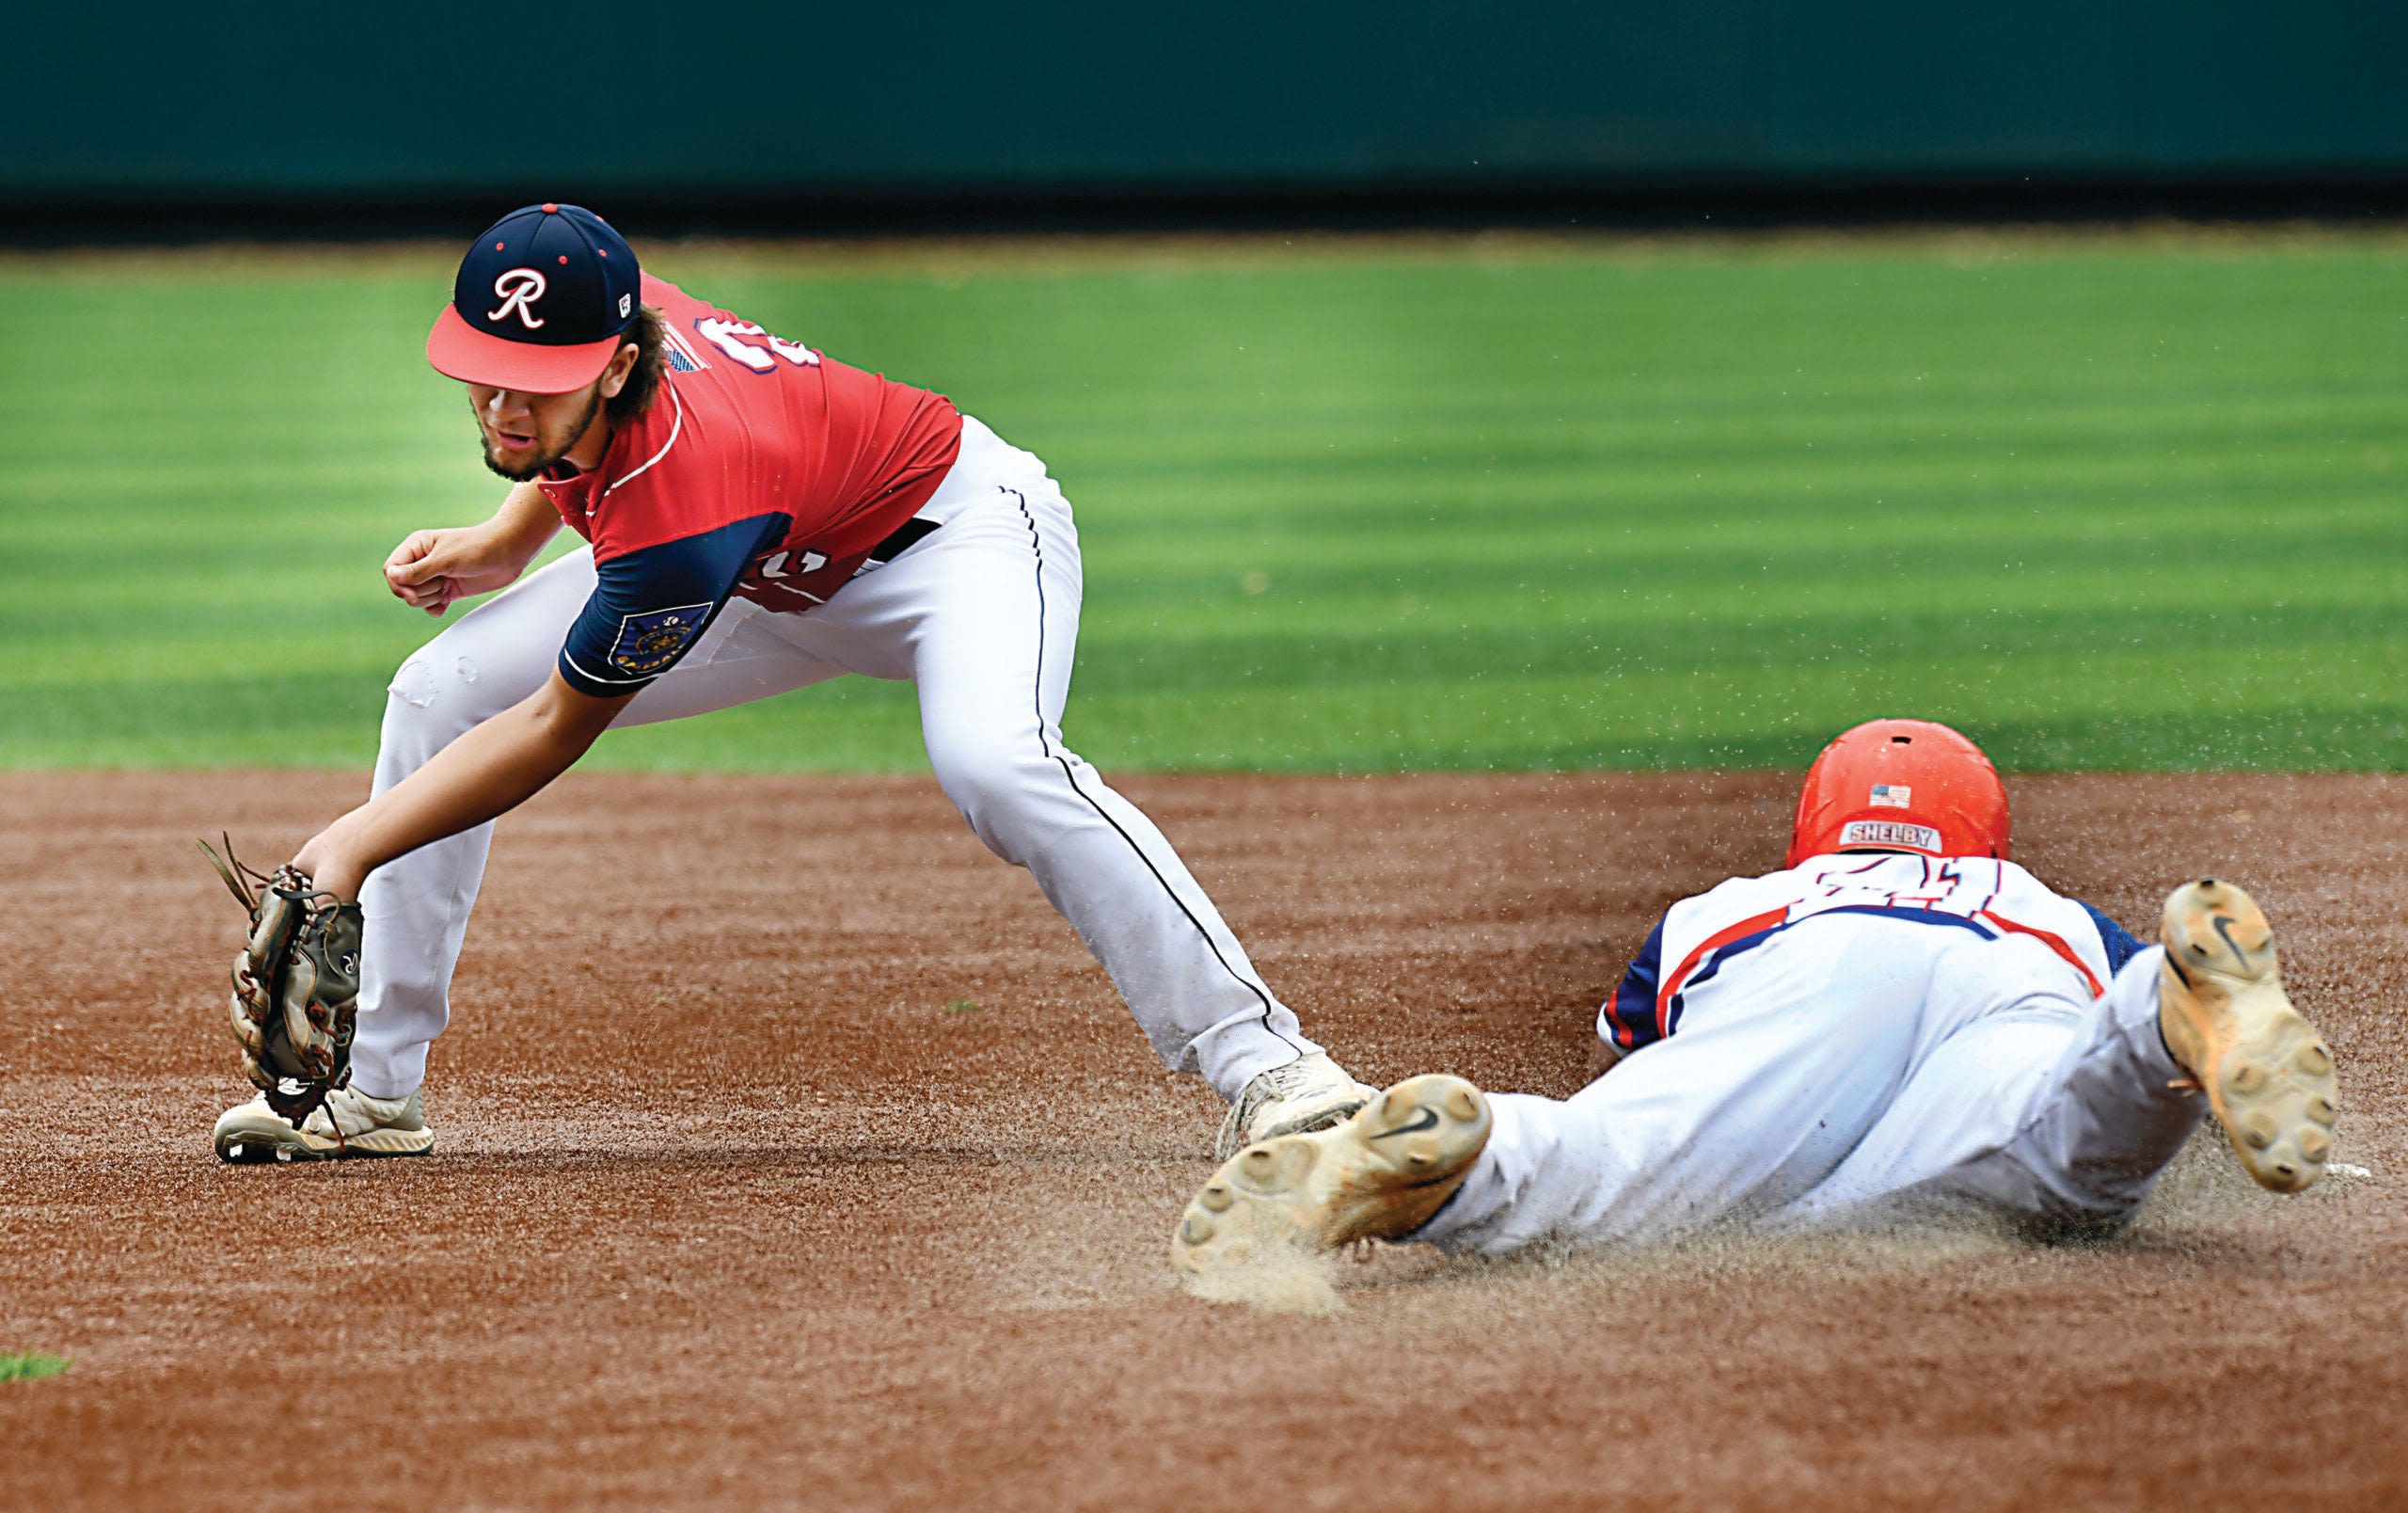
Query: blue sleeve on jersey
[649, 607]
[1632, 1009]
[2121, 947]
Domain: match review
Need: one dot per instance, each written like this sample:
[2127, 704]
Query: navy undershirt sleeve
[1632, 1008]
[649, 607]
[2121, 947]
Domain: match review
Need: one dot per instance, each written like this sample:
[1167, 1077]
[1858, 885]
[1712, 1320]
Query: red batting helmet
[1901, 785]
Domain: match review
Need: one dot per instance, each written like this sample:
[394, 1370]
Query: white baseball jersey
[1699, 936]
[1859, 1031]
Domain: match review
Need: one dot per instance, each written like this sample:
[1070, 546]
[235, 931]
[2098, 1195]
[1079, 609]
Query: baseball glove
[296, 984]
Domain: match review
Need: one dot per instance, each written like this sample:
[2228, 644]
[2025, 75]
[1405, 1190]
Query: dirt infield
[736, 1201]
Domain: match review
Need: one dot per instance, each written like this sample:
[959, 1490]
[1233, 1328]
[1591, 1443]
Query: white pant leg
[1782, 1062]
[2050, 1107]
[984, 616]
[416, 906]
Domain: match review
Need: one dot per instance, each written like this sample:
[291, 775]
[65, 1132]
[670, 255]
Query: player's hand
[432, 571]
[1604, 1056]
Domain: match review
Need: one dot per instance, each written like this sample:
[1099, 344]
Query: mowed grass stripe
[2110, 505]
[2188, 696]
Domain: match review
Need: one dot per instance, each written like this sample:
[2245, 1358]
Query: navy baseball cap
[542, 301]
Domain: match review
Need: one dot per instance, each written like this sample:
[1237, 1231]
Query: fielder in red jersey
[758, 518]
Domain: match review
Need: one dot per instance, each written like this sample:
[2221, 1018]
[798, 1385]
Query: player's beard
[548, 448]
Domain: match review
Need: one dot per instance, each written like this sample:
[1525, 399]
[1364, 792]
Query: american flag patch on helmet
[1889, 832]
[1892, 795]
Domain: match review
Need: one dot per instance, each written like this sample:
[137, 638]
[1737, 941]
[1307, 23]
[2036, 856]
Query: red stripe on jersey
[1671, 984]
[2054, 943]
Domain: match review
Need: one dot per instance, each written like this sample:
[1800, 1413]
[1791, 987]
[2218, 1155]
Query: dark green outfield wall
[264, 101]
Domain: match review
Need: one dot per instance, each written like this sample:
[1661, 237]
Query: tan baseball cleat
[347, 1127]
[2222, 1008]
[1311, 1093]
[1380, 1174]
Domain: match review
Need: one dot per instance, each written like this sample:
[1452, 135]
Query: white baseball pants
[1854, 1062]
[983, 615]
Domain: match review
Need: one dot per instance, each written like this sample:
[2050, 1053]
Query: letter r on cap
[520, 287]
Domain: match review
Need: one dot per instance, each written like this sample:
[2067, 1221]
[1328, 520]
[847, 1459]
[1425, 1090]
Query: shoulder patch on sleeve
[648, 643]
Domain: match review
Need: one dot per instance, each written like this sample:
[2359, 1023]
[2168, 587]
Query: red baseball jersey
[761, 468]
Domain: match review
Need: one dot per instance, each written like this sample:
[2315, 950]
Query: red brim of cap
[459, 350]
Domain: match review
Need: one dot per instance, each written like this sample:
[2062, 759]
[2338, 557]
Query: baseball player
[1900, 1018]
[757, 518]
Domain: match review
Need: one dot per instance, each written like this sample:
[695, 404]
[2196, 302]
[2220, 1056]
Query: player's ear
[623, 363]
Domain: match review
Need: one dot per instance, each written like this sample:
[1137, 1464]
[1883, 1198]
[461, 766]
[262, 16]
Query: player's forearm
[525, 522]
[487, 773]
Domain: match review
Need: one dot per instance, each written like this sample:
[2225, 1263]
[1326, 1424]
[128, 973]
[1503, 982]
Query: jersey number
[729, 336]
[775, 568]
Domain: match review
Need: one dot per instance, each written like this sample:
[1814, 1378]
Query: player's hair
[651, 337]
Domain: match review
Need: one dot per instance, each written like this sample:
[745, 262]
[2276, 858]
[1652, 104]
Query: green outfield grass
[2104, 501]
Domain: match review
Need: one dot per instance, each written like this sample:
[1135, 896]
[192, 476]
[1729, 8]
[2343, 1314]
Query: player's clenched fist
[432, 571]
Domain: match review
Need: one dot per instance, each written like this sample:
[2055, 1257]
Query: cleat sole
[2267, 1076]
[1380, 1174]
